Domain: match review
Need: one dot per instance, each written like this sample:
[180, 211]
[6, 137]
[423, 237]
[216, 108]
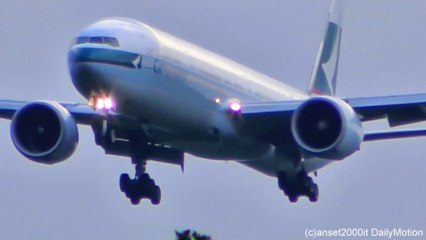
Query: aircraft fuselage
[183, 92]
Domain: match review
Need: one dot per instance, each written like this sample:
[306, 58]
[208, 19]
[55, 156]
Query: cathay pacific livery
[152, 96]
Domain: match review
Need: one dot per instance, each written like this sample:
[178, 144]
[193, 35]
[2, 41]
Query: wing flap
[384, 135]
[399, 110]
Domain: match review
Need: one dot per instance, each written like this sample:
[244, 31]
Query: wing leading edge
[82, 113]
[264, 119]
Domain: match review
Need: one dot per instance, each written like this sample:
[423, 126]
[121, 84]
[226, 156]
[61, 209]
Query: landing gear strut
[140, 187]
[299, 185]
[133, 142]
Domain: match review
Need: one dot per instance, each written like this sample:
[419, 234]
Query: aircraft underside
[153, 97]
[292, 178]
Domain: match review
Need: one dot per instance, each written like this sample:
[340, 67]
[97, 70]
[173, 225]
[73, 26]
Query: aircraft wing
[124, 127]
[274, 118]
[398, 110]
[82, 113]
[383, 135]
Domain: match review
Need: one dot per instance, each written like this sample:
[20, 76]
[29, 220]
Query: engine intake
[44, 132]
[327, 127]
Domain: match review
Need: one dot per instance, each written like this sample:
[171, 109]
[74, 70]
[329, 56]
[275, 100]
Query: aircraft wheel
[314, 195]
[156, 195]
[293, 199]
[140, 188]
[281, 180]
[124, 182]
[135, 200]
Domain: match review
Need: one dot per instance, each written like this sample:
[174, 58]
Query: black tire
[135, 201]
[124, 182]
[144, 177]
[313, 199]
[293, 199]
[314, 195]
[282, 177]
[156, 195]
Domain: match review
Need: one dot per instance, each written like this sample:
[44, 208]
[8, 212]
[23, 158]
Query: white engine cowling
[327, 127]
[44, 132]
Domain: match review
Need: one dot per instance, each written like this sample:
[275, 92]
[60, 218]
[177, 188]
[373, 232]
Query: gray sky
[382, 185]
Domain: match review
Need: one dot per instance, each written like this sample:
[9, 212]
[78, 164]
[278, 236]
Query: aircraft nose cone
[84, 78]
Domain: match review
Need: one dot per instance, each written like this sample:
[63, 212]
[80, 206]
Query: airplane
[154, 97]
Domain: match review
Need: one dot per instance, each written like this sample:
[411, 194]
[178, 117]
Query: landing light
[105, 104]
[232, 106]
[100, 103]
[108, 103]
[235, 107]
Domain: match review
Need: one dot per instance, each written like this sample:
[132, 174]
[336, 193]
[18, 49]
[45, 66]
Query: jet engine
[44, 132]
[327, 127]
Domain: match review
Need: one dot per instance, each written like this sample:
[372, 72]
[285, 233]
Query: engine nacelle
[44, 132]
[327, 127]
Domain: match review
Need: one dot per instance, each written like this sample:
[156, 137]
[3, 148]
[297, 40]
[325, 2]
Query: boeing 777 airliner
[151, 96]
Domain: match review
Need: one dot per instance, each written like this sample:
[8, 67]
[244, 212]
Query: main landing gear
[140, 187]
[298, 185]
[125, 137]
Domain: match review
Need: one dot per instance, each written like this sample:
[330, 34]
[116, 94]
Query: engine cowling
[327, 127]
[44, 132]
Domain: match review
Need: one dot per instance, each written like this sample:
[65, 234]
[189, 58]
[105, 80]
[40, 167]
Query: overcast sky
[382, 185]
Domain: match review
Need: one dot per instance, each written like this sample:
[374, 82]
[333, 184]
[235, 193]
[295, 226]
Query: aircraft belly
[146, 95]
[175, 113]
[314, 164]
[270, 164]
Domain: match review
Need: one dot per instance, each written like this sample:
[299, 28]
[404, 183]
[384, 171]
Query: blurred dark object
[190, 235]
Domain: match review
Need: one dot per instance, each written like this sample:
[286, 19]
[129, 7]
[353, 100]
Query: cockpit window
[111, 41]
[82, 40]
[96, 40]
